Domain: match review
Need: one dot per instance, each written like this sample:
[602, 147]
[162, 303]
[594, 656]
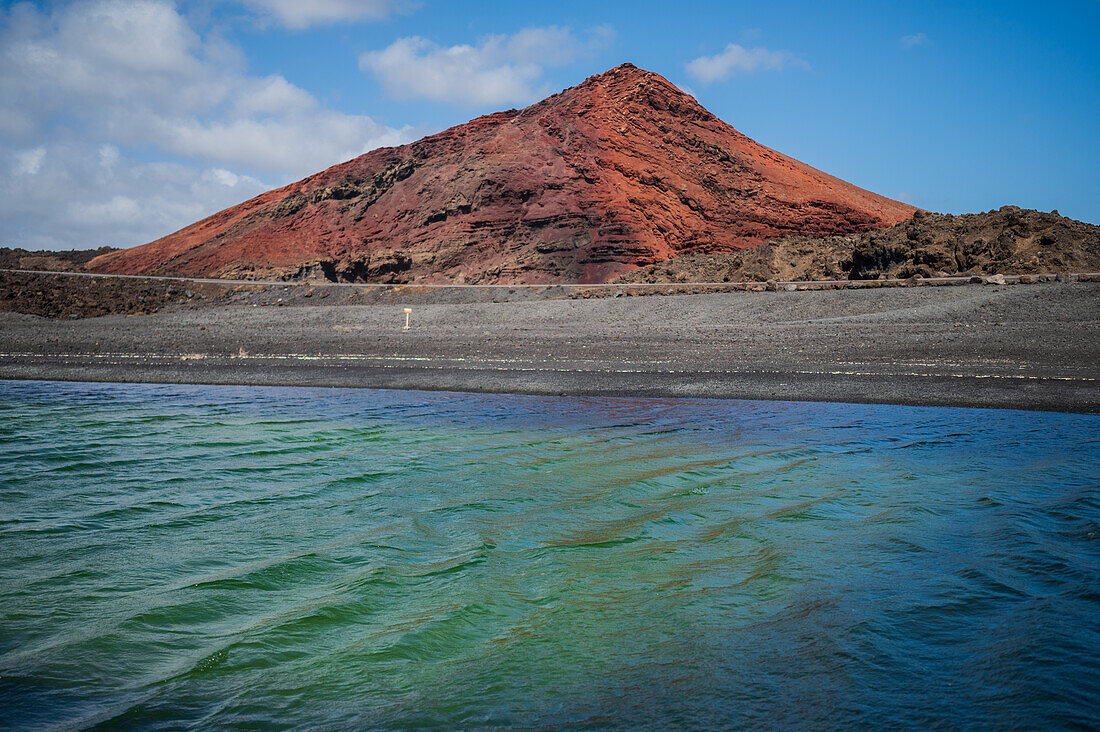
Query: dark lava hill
[620, 172]
[63, 261]
[1009, 240]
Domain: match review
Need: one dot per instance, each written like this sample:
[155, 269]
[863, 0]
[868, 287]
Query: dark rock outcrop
[62, 261]
[1010, 240]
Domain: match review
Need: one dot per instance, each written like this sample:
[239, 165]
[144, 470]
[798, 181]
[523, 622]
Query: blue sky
[123, 120]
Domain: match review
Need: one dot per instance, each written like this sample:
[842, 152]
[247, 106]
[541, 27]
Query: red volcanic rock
[622, 171]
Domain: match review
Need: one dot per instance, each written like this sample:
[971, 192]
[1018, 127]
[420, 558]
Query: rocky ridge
[1009, 240]
[60, 261]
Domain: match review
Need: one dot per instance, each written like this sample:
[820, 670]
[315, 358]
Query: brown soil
[1009, 240]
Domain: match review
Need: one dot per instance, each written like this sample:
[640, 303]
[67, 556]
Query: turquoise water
[179, 556]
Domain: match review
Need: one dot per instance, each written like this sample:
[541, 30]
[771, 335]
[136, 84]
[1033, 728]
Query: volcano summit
[621, 171]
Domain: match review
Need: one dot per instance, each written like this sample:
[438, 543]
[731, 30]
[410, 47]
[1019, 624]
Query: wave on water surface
[216, 556]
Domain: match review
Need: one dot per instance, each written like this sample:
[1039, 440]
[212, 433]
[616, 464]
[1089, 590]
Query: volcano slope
[621, 171]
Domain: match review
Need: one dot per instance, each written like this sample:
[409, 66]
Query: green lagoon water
[196, 556]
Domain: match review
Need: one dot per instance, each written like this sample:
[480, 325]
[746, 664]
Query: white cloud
[301, 143]
[298, 14]
[272, 95]
[225, 177]
[96, 78]
[28, 162]
[500, 69]
[83, 197]
[108, 156]
[133, 72]
[737, 59]
[119, 211]
[917, 39]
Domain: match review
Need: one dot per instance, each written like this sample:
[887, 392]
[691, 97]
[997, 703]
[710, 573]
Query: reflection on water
[177, 555]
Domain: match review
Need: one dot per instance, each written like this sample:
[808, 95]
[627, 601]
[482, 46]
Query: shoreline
[910, 390]
[1032, 348]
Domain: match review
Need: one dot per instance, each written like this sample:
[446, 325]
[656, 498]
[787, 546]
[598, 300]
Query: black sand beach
[1011, 346]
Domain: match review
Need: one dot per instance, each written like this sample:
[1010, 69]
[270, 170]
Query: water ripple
[230, 556]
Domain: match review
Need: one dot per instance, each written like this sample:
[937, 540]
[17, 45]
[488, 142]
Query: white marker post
[408, 312]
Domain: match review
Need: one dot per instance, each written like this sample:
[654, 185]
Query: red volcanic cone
[621, 171]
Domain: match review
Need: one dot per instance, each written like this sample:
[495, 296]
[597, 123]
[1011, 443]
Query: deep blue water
[175, 556]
